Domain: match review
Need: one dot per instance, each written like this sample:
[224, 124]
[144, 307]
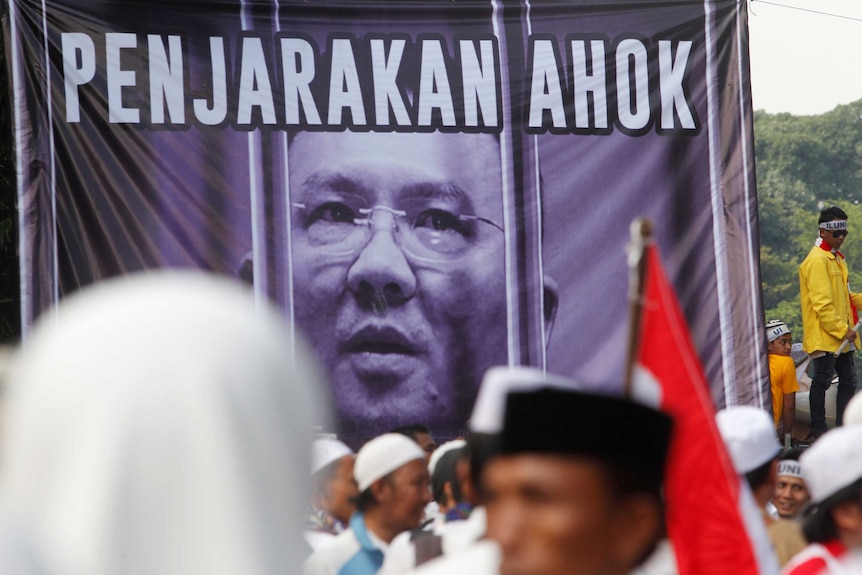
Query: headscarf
[159, 424]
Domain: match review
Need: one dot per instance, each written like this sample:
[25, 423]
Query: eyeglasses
[427, 229]
[839, 234]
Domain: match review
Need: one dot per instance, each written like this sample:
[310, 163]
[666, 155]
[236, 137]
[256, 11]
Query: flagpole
[641, 235]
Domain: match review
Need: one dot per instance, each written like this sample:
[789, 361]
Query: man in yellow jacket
[828, 317]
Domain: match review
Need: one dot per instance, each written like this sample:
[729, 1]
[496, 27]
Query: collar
[366, 538]
[460, 512]
[835, 548]
[825, 247]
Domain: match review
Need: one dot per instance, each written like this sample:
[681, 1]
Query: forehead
[792, 479]
[582, 477]
[410, 470]
[388, 161]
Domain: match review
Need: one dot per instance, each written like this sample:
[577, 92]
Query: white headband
[790, 467]
[777, 331]
[834, 225]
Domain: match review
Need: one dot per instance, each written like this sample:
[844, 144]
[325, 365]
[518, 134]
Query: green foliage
[805, 163]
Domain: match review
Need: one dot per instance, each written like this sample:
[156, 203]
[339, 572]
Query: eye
[332, 212]
[441, 221]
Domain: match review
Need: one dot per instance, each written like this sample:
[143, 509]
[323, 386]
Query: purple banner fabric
[426, 189]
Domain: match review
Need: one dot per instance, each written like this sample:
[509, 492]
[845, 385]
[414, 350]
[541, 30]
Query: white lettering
[385, 73]
[434, 91]
[297, 64]
[166, 80]
[74, 76]
[344, 88]
[545, 90]
[217, 114]
[480, 83]
[255, 88]
[117, 78]
[585, 84]
[671, 75]
[633, 108]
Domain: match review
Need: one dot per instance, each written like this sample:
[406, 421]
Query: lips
[384, 340]
[383, 356]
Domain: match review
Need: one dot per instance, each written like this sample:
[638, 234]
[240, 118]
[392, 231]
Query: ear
[639, 528]
[551, 296]
[381, 490]
[847, 516]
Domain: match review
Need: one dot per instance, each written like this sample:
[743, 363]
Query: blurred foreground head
[158, 424]
[574, 485]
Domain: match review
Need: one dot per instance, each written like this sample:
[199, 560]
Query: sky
[802, 62]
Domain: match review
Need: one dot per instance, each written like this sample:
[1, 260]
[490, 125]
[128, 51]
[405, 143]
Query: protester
[466, 549]
[791, 494]
[418, 546]
[832, 469]
[782, 377]
[828, 317]
[334, 490]
[393, 490]
[421, 435]
[561, 498]
[155, 425]
[749, 434]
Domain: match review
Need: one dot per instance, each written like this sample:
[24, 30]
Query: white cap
[383, 455]
[853, 411]
[775, 329]
[327, 450]
[498, 382]
[443, 450]
[833, 462]
[749, 434]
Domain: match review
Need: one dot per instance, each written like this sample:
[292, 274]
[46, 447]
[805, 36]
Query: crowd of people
[156, 424]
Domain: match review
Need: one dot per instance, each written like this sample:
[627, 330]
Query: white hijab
[158, 425]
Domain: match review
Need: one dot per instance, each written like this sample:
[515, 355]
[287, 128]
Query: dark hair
[412, 430]
[791, 454]
[833, 212]
[445, 472]
[479, 449]
[365, 500]
[819, 526]
[758, 476]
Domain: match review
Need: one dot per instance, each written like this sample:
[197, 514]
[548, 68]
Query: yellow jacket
[825, 298]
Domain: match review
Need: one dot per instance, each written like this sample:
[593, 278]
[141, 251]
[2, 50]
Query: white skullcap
[383, 455]
[327, 450]
[443, 450]
[498, 382]
[749, 434]
[775, 329]
[149, 413]
[833, 462]
[853, 411]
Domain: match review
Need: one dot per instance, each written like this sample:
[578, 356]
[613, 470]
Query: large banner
[427, 188]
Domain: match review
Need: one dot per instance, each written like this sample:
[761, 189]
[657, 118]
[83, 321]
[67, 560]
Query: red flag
[708, 510]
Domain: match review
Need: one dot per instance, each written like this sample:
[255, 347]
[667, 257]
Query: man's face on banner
[398, 270]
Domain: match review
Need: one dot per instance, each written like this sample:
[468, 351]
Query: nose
[504, 526]
[381, 276]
